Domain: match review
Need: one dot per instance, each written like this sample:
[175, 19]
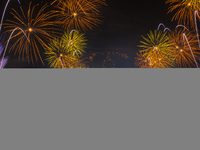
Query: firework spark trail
[70, 34]
[4, 62]
[185, 38]
[61, 63]
[1, 44]
[195, 18]
[163, 26]
[70, 41]
[182, 26]
[155, 48]
[160, 25]
[75, 52]
[1, 50]
[72, 31]
[9, 41]
[149, 60]
[5, 12]
[166, 29]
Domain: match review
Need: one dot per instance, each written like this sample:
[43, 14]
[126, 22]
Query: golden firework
[141, 61]
[76, 41]
[156, 50]
[78, 14]
[38, 28]
[184, 11]
[108, 61]
[183, 56]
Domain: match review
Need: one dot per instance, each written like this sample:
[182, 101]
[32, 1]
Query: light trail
[185, 38]
[75, 52]
[61, 63]
[72, 31]
[182, 26]
[161, 24]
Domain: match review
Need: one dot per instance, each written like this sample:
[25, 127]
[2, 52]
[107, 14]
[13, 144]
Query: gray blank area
[104, 115]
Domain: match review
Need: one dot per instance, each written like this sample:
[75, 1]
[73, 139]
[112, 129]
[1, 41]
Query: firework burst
[38, 29]
[153, 61]
[184, 11]
[107, 62]
[156, 50]
[183, 56]
[60, 52]
[78, 14]
[76, 41]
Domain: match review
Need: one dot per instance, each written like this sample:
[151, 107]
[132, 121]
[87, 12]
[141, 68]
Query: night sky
[124, 21]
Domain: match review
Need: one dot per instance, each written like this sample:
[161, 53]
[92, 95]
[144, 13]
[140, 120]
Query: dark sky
[124, 21]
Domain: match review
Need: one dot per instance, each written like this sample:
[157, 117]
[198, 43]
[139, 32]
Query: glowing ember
[30, 29]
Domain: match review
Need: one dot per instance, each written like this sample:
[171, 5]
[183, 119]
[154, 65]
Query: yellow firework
[76, 41]
[183, 56]
[38, 29]
[156, 50]
[78, 14]
[184, 11]
[60, 54]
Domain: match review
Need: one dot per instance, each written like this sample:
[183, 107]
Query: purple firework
[5, 60]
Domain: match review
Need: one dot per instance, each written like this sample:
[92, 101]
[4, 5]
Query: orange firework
[183, 54]
[107, 62]
[37, 27]
[153, 61]
[141, 61]
[184, 11]
[78, 14]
